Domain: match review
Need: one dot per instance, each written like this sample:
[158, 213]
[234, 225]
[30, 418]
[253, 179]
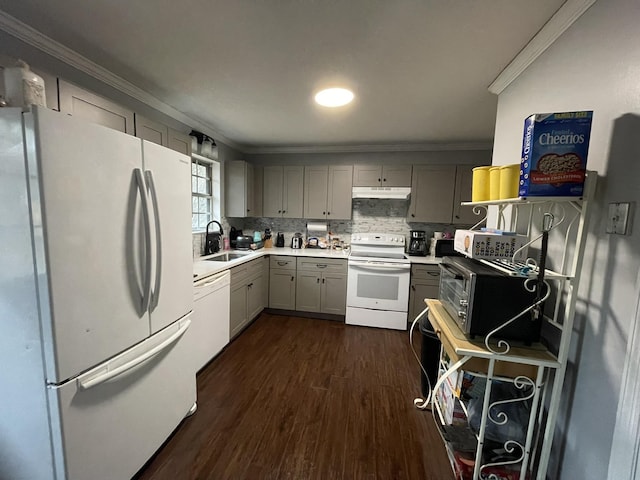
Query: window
[205, 192]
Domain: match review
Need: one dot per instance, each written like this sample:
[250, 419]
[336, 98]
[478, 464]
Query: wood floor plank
[299, 398]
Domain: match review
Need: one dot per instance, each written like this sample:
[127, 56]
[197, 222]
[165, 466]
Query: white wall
[595, 65]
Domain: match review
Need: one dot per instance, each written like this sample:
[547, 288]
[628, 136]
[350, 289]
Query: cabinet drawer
[248, 270]
[427, 274]
[315, 264]
[283, 262]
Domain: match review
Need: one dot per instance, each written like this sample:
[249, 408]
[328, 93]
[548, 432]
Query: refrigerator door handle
[146, 288]
[155, 293]
[90, 382]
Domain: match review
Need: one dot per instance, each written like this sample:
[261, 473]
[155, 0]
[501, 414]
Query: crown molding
[401, 147]
[566, 15]
[33, 37]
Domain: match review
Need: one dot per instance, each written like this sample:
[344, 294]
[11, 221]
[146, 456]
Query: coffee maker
[417, 243]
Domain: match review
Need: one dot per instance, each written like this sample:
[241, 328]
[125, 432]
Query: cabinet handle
[324, 213]
[317, 280]
[279, 211]
[413, 215]
[282, 264]
[323, 280]
[292, 277]
[413, 287]
[384, 179]
[250, 285]
[321, 265]
[379, 179]
[328, 213]
[458, 216]
[433, 274]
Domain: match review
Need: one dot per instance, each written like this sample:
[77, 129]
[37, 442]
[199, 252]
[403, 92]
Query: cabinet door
[249, 182]
[254, 296]
[340, 180]
[432, 193]
[463, 214]
[273, 183]
[315, 192]
[417, 294]
[236, 204]
[238, 309]
[308, 291]
[396, 175]
[367, 175]
[151, 131]
[334, 293]
[282, 289]
[256, 188]
[293, 192]
[180, 142]
[94, 108]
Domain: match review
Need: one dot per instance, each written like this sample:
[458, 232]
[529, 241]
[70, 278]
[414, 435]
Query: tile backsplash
[368, 215]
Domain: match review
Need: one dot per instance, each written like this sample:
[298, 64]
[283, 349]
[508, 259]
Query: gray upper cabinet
[463, 215]
[94, 108]
[327, 192]
[283, 191]
[365, 175]
[152, 131]
[180, 142]
[432, 193]
[242, 198]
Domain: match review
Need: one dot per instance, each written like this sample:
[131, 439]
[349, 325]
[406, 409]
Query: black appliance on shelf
[212, 239]
[280, 240]
[417, 243]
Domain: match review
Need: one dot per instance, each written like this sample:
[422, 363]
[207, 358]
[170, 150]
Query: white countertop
[203, 268]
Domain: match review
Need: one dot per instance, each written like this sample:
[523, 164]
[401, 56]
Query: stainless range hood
[401, 193]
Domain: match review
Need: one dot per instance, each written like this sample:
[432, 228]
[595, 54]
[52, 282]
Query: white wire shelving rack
[567, 239]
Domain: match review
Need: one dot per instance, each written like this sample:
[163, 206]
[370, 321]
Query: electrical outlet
[618, 218]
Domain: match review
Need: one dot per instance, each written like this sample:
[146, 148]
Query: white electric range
[378, 281]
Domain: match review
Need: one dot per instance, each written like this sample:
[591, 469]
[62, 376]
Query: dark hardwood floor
[297, 398]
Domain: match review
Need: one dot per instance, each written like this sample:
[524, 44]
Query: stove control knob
[464, 303]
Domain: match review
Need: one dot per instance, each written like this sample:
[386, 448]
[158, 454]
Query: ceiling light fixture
[334, 97]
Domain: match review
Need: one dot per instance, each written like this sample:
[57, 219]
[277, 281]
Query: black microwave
[481, 298]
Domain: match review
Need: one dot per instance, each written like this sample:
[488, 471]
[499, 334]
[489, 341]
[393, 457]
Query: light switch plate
[618, 218]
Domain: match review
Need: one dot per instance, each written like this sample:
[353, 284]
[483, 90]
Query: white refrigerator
[96, 294]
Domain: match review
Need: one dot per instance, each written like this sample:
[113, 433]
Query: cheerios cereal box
[554, 154]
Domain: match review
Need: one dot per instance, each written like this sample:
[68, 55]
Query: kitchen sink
[227, 257]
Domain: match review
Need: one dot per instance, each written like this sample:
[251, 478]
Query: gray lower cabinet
[321, 285]
[282, 282]
[81, 103]
[425, 283]
[247, 294]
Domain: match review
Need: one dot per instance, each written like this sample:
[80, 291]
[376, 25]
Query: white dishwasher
[209, 332]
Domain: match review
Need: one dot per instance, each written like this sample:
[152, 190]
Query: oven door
[378, 285]
[454, 294]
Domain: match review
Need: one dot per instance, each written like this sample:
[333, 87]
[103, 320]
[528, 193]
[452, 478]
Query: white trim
[625, 447]
[556, 26]
[402, 147]
[33, 37]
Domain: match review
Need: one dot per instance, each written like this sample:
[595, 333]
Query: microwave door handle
[456, 275]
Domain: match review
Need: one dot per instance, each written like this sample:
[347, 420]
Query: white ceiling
[248, 69]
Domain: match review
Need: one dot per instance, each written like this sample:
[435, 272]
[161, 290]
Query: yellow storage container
[509, 178]
[480, 185]
[494, 183]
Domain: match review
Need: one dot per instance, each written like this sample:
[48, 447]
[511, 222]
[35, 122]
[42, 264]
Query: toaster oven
[481, 298]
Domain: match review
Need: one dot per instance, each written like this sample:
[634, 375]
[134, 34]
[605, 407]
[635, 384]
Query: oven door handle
[451, 272]
[379, 266]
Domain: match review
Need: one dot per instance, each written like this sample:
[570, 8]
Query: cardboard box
[490, 246]
[554, 154]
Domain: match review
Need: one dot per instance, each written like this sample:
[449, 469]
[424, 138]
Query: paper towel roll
[317, 227]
